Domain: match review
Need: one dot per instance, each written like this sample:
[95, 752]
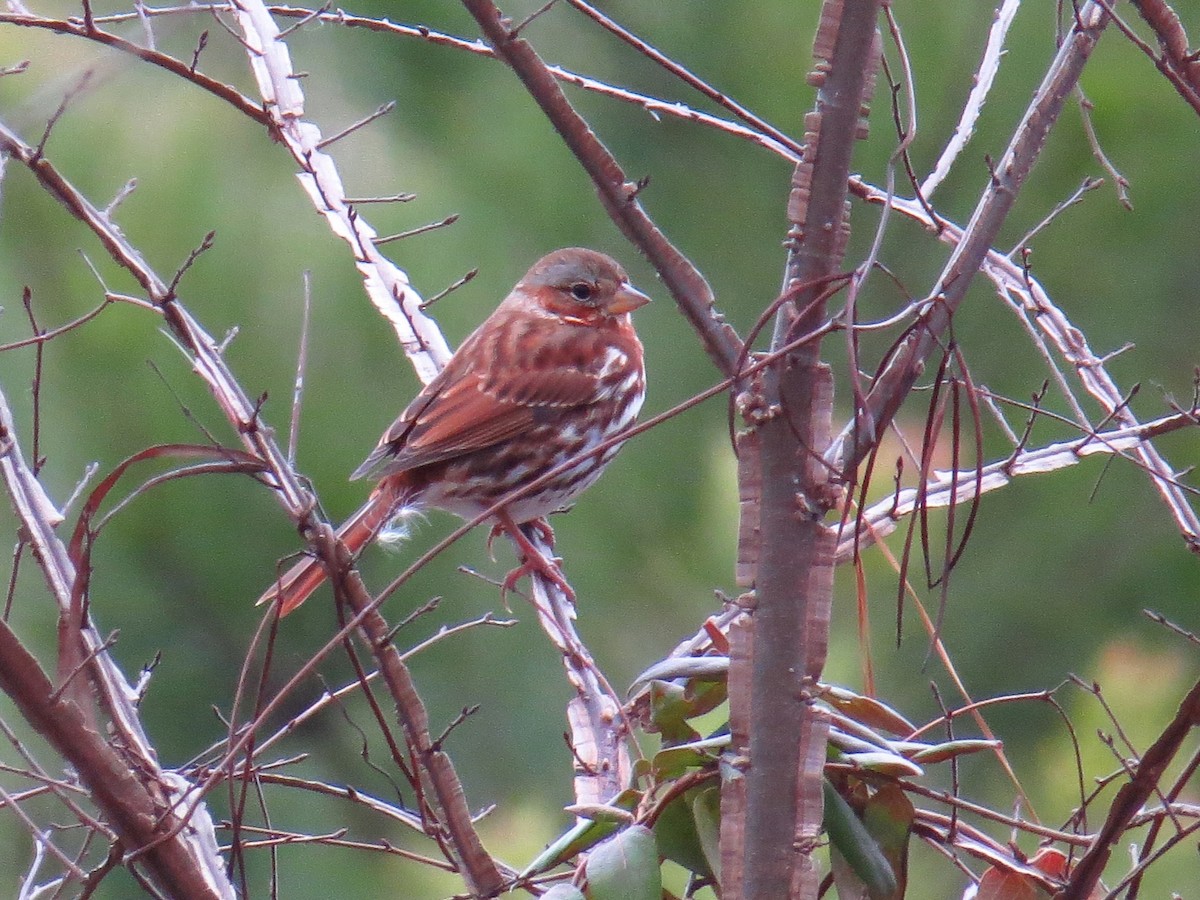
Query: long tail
[295, 585]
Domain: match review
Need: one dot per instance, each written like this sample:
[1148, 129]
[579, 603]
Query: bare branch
[902, 369]
[955, 487]
[981, 86]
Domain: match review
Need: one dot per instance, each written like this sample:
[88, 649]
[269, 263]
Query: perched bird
[556, 370]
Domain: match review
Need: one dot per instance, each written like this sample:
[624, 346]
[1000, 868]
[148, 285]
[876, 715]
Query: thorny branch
[389, 288]
[135, 794]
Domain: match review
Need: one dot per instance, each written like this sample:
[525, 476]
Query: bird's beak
[626, 299]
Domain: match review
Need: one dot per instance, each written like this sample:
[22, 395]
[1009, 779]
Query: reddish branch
[137, 808]
[1178, 62]
[124, 778]
[450, 817]
[781, 792]
[80, 28]
[1132, 796]
[596, 735]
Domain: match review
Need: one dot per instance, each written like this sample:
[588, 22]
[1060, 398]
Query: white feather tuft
[399, 527]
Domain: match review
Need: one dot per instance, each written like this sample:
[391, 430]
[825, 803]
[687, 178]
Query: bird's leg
[507, 526]
[533, 561]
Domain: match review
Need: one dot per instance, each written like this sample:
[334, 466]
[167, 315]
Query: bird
[556, 370]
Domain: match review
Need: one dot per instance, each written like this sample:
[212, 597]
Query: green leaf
[585, 834]
[669, 711]
[706, 695]
[625, 867]
[861, 854]
[706, 812]
[580, 837]
[888, 816]
[885, 763]
[672, 761]
[677, 837]
[950, 749]
[563, 892]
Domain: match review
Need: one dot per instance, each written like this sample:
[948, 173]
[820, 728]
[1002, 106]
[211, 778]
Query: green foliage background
[1058, 569]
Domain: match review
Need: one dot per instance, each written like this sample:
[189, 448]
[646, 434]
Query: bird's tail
[295, 585]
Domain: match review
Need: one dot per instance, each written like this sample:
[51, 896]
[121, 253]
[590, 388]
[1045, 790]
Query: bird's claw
[536, 564]
[533, 561]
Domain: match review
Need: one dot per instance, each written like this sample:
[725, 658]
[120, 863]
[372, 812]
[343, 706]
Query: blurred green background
[1057, 572]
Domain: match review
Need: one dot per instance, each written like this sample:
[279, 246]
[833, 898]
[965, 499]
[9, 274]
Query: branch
[597, 735]
[1013, 281]
[135, 794]
[386, 284]
[1132, 795]
[478, 868]
[780, 649]
[906, 364]
[955, 487]
[391, 292]
[1178, 62]
[80, 28]
[981, 86]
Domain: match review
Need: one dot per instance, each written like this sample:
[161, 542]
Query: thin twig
[379, 113]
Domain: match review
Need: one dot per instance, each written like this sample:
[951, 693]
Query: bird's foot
[533, 561]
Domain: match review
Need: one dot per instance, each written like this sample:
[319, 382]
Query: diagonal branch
[392, 293]
[480, 871]
[1178, 62]
[596, 735]
[1008, 175]
[1012, 281]
[79, 28]
[1132, 795]
[617, 192]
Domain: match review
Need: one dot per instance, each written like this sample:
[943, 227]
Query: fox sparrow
[553, 372]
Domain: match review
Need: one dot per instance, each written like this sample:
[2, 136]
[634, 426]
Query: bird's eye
[582, 291]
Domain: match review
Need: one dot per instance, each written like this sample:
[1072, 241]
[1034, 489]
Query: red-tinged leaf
[867, 710]
[1001, 884]
[1051, 861]
[719, 639]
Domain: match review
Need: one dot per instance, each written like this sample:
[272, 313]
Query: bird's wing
[461, 412]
